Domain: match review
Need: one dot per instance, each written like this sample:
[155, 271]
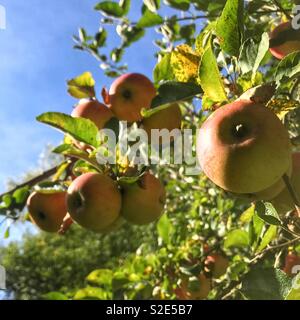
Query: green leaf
[20, 195]
[7, 201]
[152, 5]
[269, 235]
[149, 19]
[6, 233]
[289, 67]
[247, 215]
[179, 4]
[266, 284]
[71, 151]
[255, 229]
[294, 293]
[171, 91]
[252, 53]
[210, 77]
[267, 213]
[101, 37]
[125, 5]
[110, 9]
[236, 238]
[100, 277]
[165, 229]
[82, 86]
[163, 70]
[92, 293]
[81, 129]
[229, 27]
[55, 296]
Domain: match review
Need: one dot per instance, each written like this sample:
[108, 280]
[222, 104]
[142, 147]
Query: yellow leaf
[185, 63]
[282, 106]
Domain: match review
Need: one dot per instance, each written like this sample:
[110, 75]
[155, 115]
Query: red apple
[280, 46]
[238, 149]
[94, 201]
[47, 210]
[129, 94]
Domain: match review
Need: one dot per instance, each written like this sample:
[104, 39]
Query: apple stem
[292, 192]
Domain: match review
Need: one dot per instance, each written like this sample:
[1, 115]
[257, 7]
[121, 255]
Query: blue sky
[36, 59]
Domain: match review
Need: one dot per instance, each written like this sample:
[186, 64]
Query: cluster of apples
[245, 149]
[95, 200]
[215, 266]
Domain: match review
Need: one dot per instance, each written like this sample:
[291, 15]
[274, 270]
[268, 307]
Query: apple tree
[213, 241]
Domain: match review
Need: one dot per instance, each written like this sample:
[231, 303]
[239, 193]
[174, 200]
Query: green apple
[243, 147]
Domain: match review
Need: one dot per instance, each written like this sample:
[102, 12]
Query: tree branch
[279, 6]
[33, 181]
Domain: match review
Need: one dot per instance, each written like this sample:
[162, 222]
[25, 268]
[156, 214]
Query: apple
[283, 202]
[143, 202]
[94, 201]
[267, 194]
[169, 119]
[280, 45]
[187, 292]
[47, 210]
[238, 149]
[217, 264]
[129, 94]
[292, 264]
[93, 110]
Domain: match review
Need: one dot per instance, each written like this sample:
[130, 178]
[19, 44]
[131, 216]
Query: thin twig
[278, 4]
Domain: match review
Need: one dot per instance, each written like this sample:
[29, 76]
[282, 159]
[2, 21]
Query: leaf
[265, 284]
[100, 277]
[163, 70]
[210, 78]
[6, 233]
[247, 215]
[149, 19]
[252, 53]
[71, 151]
[289, 67]
[294, 293]
[165, 229]
[282, 106]
[152, 5]
[125, 5]
[81, 129]
[179, 4]
[20, 195]
[185, 63]
[82, 86]
[267, 213]
[255, 229]
[236, 238]
[204, 38]
[171, 91]
[269, 235]
[92, 293]
[55, 296]
[101, 37]
[229, 27]
[110, 9]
